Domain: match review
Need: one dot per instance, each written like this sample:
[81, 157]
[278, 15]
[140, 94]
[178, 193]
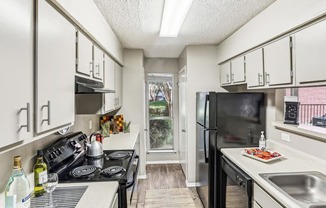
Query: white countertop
[293, 161]
[122, 141]
[99, 193]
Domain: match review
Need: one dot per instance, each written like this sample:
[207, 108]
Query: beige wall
[133, 95]
[278, 18]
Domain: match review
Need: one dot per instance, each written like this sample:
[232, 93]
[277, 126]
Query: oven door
[131, 185]
[236, 186]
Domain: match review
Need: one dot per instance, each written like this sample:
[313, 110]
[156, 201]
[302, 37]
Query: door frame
[184, 164]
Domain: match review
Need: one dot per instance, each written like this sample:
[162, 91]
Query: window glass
[160, 111]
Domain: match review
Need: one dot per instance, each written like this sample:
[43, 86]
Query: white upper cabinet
[225, 73]
[255, 68]
[118, 86]
[238, 70]
[84, 55]
[16, 52]
[278, 62]
[233, 72]
[310, 58]
[89, 59]
[55, 64]
[98, 63]
[109, 82]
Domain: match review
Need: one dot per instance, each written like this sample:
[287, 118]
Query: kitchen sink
[307, 189]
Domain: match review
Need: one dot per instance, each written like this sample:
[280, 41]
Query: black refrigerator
[223, 120]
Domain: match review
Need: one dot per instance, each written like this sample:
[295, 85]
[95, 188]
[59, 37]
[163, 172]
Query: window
[160, 111]
[312, 108]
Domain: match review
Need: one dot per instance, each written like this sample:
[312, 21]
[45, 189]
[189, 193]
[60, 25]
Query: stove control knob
[72, 143]
[52, 156]
[58, 152]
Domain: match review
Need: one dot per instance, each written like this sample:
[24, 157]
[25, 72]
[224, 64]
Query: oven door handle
[134, 178]
[131, 183]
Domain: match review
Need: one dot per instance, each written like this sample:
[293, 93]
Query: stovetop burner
[82, 171]
[118, 155]
[113, 171]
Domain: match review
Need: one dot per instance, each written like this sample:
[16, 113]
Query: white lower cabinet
[16, 52]
[115, 202]
[55, 69]
[263, 199]
[255, 205]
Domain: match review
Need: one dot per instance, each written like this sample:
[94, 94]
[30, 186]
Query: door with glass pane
[160, 111]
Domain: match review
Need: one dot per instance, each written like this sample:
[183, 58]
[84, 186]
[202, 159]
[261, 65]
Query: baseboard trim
[192, 184]
[163, 162]
[142, 177]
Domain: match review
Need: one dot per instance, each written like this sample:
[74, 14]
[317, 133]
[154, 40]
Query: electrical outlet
[90, 124]
[285, 137]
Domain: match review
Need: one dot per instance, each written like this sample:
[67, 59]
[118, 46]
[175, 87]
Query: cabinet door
[16, 52]
[255, 205]
[255, 68]
[277, 62]
[115, 202]
[54, 69]
[225, 73]
[118, 85]
[98, 60]
[310, 58]
[84, 55]
[238, 70]
[109, 82]
[264, 199]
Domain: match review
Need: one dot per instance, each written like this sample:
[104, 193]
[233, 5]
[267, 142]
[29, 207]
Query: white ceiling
[137, 23]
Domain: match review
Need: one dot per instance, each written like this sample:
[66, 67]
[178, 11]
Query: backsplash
[28, 151]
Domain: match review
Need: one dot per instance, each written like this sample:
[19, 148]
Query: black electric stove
[67, 158]
[107, 168]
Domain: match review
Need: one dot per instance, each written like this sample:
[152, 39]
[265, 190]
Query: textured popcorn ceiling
[137, 23]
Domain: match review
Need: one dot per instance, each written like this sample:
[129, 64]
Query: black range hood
[87, 86]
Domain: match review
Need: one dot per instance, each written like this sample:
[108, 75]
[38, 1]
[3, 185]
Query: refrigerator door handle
[205, 152]
[205, 109]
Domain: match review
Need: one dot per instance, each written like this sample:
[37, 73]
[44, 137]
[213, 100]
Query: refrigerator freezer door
[202, 108]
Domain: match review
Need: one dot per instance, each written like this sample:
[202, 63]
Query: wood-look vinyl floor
[165, 187]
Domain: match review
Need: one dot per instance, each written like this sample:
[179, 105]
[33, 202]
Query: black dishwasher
[236, 186]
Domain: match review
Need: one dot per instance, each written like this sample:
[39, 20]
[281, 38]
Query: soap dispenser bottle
[262, 141]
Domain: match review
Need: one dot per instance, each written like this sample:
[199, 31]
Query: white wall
[278, 18]
[133, 95]
[202, 75]
[166, 65]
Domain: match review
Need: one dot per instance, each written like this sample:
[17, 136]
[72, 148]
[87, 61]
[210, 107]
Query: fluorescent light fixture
[175, 12]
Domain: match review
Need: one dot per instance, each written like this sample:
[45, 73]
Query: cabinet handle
[260, 77]
[48, 119]
[227, 78]
[267, 78]
[183, 130]
[28, 113]
[232, 78]
[90, 67]
[98, 69]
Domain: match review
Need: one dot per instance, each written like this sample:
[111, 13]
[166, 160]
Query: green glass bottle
[40, 174]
